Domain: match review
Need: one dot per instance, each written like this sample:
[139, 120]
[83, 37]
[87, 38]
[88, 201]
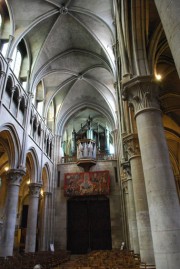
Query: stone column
[126, 227]
[169, 14]
[14, 177]
[134, 241]
[34, 190]
[44, 229]
[164, 209]
[140, 199]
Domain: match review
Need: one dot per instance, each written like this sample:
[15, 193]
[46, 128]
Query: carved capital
[127, 169]
[131, 144]
[47, 193]
[142, 94]
[34, 189]
[14, 176]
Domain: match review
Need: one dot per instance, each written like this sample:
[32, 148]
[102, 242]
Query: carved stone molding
[63, 10]
[131, 144]
[2, 73]
[47, 193]
[14, 176]
[34, 189]
[127, 169]
[142, 94]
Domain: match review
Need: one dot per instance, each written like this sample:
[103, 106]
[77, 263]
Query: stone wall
[60, 237]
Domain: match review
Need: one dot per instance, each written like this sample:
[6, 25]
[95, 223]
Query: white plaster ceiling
[71, 50]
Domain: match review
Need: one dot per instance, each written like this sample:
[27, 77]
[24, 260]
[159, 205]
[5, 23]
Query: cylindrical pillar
[161, 191]
[14, 177]
[169, 14]
[44, 229]
[140, 200]
[34, 190]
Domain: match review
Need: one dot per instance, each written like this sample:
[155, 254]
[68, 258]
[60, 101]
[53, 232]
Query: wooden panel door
[100, 226]
[78, 229]
[89, 225]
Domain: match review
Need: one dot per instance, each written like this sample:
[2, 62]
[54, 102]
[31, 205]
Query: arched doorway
[89, 225]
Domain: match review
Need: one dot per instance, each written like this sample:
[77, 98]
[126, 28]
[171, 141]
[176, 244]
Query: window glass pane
[111, 149]
[4, 49]
[17, 64]
[24, 83]
[13, 58]
[40, 107]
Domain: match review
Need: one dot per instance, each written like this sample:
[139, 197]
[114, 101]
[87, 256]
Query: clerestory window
[16, 63]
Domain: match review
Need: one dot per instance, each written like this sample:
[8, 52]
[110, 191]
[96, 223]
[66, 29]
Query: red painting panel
[87, 183]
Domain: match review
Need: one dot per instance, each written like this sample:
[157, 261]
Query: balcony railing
[99, 157]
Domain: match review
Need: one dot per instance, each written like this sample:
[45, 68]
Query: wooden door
[88, 224]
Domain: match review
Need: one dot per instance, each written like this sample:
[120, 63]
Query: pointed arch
[32, 164]
[46, 176]
[10, 140]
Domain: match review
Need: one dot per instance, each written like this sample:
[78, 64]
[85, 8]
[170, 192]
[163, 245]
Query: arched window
[50, 116]
[4, 48]
[16, 63]
[5, 27]
[111, 147]
[39, 99]
[20, 62]
[40, 107]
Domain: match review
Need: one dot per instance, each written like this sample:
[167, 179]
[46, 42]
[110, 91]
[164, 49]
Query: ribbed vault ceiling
[71, 51]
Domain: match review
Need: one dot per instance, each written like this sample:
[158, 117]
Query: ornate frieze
[131, 145]
[142, 93]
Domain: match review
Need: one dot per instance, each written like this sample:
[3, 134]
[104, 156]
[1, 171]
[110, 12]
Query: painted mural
[87, 183]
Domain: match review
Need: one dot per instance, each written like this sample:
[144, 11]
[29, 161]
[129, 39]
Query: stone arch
[22, 104]
[32, 164]
[16, 96]
[9, 159]
[46, 177]
[2, 66]
[9, 86]
[10, 140]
